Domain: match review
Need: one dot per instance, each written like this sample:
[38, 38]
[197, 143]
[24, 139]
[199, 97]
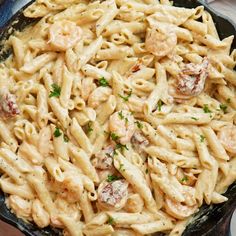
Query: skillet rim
[32, 230]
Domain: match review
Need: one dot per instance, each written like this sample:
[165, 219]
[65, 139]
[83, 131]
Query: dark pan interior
[210, 220]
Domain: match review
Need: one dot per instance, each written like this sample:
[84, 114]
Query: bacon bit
[192, 78]
[8, 105]
[114, 192]
[135, 68]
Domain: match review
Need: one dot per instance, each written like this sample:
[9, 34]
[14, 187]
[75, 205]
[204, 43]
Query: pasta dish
[117, 117]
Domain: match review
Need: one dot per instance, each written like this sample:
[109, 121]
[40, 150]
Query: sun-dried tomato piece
[8, 105]
[192, 78]
[113, 195]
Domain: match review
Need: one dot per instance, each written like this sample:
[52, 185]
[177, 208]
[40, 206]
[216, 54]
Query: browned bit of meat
[192, 78]
[104, 158]
[113, 194]
[135, 68]
[139, 142]
[8, 105]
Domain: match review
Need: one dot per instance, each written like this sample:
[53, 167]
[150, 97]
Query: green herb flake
[57, 132]
[90, 129]
[121, 146]
[228, 100]
[159, 105]
[66, 139]
[121, 115]
[103, 82]
[185, 179]
[146, 171]
[139, 124]
[111, 178]
[114, 137]
[56, 91]
[206, 109]
[121, 168]
[126, 98]
[223, 107]
[194, 118]
[110, 221]
[202, 138]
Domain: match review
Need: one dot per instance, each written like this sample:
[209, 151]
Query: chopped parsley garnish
[121, 168]
[146, 171]
[223, 107]
[103, 82]
[159, 105]
[228, 100]
[194, 118]
[56, 91]
[185, 179]
[90, 129]
[202, 138]
[139, 124]
[121, 115]
[121, 146]
[126, 98]
[110, 221]
[57, 132]
[206, 109]
[66, 139]
[111, 178]
[114, 137]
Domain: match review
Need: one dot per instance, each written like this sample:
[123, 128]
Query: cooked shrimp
[104, 158]
[179, 210]
[64, 34]
[72, 186]
[189, 195]
[71, 210]
[134, 203]
[39, 214]
[8, 105]
[139, 142]
[192, 78]
[21, 207]
[121, 123]
[227, 136]
[113, 196]
[159, 42]
[99, 95]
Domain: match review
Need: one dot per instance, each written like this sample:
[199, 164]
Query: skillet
[211, 220]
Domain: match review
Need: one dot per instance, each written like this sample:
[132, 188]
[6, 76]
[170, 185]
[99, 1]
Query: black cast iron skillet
[210, 220]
